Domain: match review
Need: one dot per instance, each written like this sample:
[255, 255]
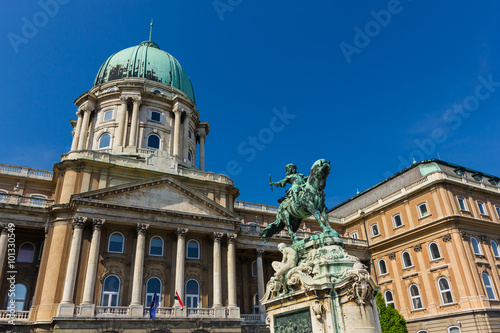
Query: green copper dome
[148, 61]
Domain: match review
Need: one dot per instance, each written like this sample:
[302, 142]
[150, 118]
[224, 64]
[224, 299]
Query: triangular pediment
[158, 194]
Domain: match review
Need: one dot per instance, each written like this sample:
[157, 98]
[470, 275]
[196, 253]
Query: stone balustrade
[7, 169]
[5, 315]
[16, 199]
[253, 318]
[112, 311]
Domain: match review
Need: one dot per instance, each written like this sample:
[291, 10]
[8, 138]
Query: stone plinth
[326, 290]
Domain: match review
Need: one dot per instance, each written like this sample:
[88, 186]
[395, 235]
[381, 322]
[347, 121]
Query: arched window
[116, 242]
[406, 259]
[489, 286]
[445, 291]
[494, 247]
[157, 91]
[389, 298]
[255, 302]
[422, 331]
[375, 231]
[105, 141]
[26, 252]
[382, 267]
[192, 294]
[18, 296]
[434, 251]
[153, 141]
[111, 291]
[453, 329]
[153, 286]
[416, 301]
[396, 219]
[156, 246]
[193, 250]
[254, 268]
[475, 246]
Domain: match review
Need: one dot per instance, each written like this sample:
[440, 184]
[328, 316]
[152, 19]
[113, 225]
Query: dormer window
[460, 172]
[155, 116]
[477, 177]
[494, 181]
[112, 89]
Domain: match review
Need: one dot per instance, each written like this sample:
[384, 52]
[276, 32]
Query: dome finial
[150, 30]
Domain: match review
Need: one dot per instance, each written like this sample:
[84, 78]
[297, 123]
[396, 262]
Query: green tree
[390, 319]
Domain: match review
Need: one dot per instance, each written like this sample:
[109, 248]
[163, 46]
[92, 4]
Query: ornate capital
[181, 232]
[141, 228]
[232, 238]
[260, 251]
[124, 98]
[446, 238]
[136, 98]
[201, 132]
[218, 236]
[417, 247]
[3, 228]
[79, 222]
[464, 235]
[392, 255]
[484, 239]
[84, 108]
[97, 223]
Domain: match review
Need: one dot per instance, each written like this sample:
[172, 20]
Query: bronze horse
[311, 200]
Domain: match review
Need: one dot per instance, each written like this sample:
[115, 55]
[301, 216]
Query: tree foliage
[390, 319]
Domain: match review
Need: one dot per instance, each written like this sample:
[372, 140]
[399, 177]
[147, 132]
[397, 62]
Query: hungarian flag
[154, 305]
[178, 298]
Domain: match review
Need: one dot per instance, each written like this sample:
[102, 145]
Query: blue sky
[369, 85]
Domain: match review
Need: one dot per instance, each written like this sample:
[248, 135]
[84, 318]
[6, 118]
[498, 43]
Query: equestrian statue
[305, 198]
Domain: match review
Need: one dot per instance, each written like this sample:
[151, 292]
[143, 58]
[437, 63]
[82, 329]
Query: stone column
[177, 131]
[179, 262]
[260, 279]
[202, 134]
[134, 121]
[76, 135]
[87, 307]
[136, 306]
[85, 125]
[185, 139]
[234, 311]
[66, 308]
[217, 267]
[3, 248]
[120, 119]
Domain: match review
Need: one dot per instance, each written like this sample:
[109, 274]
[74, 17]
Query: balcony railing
[200, 312]
[25, 171]
[253, 318]
[6, 315]
[161, 312]
[112, 311]
[16, 199]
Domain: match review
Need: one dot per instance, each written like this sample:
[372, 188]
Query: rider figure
[297, 180]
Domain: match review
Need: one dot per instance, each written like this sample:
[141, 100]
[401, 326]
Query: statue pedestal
[327, 291]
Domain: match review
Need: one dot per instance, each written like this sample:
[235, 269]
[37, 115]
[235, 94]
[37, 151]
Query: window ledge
[486, 216]
[408, 268]
[424, 217]
[418, 310]
[407, 276]
[399, 227]
[385, 281]
[447, 305]
[480, 262]
[384, 274]
[433, 269]
[377, 236]
[437, 259]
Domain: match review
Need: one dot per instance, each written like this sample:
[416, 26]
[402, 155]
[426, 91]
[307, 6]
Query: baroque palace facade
[130, 214]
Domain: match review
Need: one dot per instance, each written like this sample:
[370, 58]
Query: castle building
[129, 218]
[433, 235]
[129, 215]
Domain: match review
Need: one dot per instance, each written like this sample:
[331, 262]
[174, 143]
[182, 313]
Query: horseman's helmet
[291, 168]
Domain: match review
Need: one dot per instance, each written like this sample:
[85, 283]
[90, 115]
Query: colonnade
[180, 133]
[87, 307]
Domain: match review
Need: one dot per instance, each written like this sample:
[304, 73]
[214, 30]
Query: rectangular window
[462, 204]
[155, 116]
[498, 211]
[397, 221]
[422, 210]
[482, 209]
[108, 115]
[375, 231]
